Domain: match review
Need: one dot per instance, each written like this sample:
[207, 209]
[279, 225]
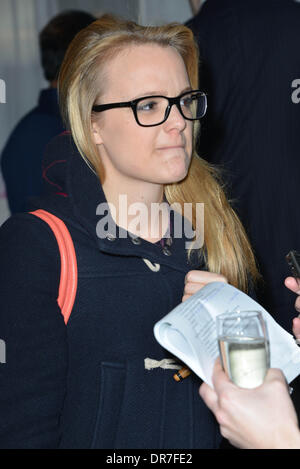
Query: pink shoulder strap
[69, 273]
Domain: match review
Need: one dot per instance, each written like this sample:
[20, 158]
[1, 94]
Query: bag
[69, 273]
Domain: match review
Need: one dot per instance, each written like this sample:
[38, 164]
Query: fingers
[275, 374]
[292, 284]
[202, 276]
[214, 398]
[191, 288]
[219, 377]
[209, 396]
[197, 279]
[185, 297]
[296, 328]
[275, 381]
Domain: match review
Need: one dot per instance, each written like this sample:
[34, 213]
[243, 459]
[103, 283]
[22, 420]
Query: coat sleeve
[33, 333]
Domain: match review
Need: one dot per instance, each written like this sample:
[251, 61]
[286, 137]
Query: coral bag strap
[69, 273]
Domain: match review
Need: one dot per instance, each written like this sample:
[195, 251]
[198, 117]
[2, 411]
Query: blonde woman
[131, 98]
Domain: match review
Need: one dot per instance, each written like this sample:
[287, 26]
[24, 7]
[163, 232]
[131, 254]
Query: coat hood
[73, 192]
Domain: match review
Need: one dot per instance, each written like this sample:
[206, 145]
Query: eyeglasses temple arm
[104, 107]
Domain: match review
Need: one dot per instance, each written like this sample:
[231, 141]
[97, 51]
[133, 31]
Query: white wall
[19, 65]
[20, 23]
[157, 12]
[20, 68]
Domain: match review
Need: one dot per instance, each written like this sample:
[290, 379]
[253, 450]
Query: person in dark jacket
[21, 159]
[87, 384]
[250, 69]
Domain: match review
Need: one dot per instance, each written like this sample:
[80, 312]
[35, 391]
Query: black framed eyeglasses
[150, 111]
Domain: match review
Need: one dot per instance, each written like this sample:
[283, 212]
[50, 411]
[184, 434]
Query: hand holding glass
[244, 347]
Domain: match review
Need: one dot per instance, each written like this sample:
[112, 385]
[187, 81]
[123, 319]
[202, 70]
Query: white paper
[189, 331]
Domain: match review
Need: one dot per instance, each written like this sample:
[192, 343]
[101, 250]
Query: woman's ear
[96, 134]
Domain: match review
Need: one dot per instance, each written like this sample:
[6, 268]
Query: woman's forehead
[148, 67]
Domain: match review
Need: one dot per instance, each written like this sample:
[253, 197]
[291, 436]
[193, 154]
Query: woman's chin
[176, 174]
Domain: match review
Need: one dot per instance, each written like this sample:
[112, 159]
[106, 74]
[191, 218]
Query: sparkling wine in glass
[244, 347]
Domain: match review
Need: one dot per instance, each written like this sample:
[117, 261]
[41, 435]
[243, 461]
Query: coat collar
[67, 175]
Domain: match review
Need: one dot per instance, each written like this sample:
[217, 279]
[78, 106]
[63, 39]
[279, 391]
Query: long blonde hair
[226, 247]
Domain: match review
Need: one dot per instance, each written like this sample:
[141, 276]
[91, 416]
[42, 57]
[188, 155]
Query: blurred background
[20, 68]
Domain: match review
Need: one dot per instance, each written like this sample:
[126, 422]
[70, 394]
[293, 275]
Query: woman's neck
[139, 208]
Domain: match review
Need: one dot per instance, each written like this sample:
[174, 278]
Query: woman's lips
[171, 147]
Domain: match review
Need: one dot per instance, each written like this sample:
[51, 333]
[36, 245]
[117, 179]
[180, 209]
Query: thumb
[275, 374]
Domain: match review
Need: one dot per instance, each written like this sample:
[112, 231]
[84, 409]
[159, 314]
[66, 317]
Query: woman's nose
[175, 119]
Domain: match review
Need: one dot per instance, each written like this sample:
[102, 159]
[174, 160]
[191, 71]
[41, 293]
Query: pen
[181, 374]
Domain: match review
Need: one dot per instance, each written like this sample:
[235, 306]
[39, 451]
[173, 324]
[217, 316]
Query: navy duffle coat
[84, 384]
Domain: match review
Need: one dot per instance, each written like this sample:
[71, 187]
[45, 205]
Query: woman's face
[159, 155]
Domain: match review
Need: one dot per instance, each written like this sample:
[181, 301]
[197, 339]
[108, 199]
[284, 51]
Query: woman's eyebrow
[150, 93]
[188, 88]
[159, 93]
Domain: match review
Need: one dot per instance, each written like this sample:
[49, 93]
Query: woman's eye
[147, 106]
[186, 102]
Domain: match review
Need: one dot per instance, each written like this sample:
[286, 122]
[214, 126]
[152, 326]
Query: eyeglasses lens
[152, 110]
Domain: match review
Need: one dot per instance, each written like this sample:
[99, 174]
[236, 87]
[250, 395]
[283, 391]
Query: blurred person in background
[249, 66]
[196, 5]
[22, 155]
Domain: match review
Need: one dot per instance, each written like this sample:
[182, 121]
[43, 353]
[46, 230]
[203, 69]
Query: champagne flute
[244, 347]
